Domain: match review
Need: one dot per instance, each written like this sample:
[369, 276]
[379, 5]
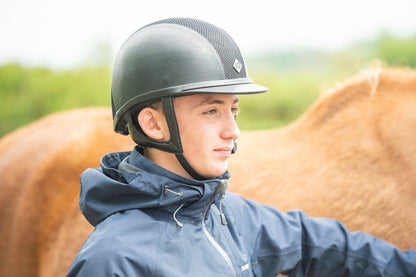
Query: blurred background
[58, 55]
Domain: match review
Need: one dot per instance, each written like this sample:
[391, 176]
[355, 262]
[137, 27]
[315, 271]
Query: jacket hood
[128, 180]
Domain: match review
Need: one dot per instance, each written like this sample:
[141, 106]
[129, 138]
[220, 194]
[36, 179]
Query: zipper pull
[222, 215]
[223, 219]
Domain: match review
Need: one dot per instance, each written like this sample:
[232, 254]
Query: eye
[235, 111]
[211, 112]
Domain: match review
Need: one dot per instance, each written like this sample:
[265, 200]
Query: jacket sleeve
[297, 245]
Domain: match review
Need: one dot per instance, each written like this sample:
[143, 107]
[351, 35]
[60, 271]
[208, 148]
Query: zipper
[214, 242]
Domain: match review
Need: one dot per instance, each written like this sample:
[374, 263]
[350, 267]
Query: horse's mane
[366, 85]
[371, 76]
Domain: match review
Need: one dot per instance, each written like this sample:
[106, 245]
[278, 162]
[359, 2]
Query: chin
[216, 173]
[212, 171]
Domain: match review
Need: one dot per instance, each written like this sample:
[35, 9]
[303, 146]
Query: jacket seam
[290, 253]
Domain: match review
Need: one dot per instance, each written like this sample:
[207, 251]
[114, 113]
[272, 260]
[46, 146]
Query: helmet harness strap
[174, 144]
[169, 111]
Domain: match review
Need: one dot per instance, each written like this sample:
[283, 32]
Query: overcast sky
[62, 34]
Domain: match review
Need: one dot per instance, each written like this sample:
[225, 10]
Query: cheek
[196, 140]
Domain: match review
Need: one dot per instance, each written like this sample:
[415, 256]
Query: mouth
[225, 151]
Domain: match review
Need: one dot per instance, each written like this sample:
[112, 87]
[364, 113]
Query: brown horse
[352, 156]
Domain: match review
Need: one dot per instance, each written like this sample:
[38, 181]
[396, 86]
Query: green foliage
[295, 79]
[289, 95]
[26, 94]
[397, 52]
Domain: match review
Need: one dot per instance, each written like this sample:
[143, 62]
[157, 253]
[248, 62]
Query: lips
[224, 150]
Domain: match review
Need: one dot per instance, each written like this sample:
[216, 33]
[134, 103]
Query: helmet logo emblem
[237, 65]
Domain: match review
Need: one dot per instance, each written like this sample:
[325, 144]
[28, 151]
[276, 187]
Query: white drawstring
[166, 190]
[220, 189]
[174, 216]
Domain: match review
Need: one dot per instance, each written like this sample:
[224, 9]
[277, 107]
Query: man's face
[207, 130]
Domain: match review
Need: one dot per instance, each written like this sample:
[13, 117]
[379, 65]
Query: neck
[166, 160]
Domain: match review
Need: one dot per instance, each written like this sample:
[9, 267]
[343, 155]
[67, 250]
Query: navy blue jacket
[151, 222]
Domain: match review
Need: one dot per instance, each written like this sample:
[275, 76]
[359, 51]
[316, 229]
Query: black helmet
[170, 58]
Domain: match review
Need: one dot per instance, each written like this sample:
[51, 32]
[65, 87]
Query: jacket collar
[128, 180]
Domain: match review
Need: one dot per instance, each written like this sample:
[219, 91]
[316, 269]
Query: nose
[230, 129]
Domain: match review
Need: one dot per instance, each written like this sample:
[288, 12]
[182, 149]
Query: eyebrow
[212, 100]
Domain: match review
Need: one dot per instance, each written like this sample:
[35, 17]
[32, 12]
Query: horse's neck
[364, 125]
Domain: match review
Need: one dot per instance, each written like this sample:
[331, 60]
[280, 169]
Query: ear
[153, 123]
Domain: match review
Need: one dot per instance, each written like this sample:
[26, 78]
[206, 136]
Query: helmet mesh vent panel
[224, 45]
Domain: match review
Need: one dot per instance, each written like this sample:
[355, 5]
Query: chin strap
[182, 160]
[168, 109]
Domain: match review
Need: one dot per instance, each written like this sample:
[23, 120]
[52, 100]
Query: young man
[163, 209]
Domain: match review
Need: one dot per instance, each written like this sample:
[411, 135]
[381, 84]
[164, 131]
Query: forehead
[199, 100]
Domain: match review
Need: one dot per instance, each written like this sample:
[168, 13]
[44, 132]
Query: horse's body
[352, 156]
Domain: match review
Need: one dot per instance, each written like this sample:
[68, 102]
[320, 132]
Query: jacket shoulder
[113, 248]
[106, 256]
